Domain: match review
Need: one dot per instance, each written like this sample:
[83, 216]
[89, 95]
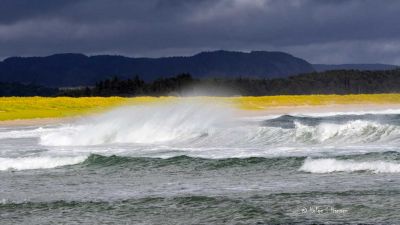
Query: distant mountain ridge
[61, 70]
[362, 67]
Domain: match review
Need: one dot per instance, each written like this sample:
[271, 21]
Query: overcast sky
[320, 31]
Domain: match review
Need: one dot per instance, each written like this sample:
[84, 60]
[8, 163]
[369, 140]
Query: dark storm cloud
[320, 31]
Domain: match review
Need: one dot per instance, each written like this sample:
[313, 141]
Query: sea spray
[142, 124]
[205, 125]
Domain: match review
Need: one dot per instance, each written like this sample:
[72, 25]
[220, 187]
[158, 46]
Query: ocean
[187, 163]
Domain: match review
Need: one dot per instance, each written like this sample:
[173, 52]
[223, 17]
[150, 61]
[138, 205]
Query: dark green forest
[329, 82]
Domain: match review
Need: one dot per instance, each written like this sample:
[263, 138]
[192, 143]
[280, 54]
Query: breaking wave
[357, 131]
[40, 162]
[386, 162]
[335, 165]
[204, 130]
[205, 125]
[141, 124]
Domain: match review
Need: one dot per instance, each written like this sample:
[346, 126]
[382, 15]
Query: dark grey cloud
[330, 31]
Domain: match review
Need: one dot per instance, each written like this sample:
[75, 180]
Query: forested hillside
[67, 70]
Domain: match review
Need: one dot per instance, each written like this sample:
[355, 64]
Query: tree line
[328, 82]
[133, 87]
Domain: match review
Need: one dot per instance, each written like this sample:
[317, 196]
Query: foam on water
[24, 133]
[40, 162]
[334, 165]
[358, 112]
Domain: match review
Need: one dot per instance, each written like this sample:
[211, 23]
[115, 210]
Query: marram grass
[264, 102]
[12, 108]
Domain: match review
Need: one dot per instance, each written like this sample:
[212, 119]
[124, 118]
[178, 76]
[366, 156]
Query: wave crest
[335, 165]
[40, 162]
[357, 131]
[206, 130]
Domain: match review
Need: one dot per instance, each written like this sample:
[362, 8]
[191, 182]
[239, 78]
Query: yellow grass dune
[17, 108]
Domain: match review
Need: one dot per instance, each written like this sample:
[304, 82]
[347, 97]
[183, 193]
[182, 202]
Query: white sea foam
[334, 165]
[355, 112]
[24, 133]
[40, 162]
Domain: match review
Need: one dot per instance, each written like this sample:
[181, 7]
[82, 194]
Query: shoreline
[271, 111]
[36, 121]
[342, 108]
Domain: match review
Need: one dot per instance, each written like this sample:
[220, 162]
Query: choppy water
[201, 164]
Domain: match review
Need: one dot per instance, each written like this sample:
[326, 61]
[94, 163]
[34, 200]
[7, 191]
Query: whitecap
[330, 165]
[39, 162]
